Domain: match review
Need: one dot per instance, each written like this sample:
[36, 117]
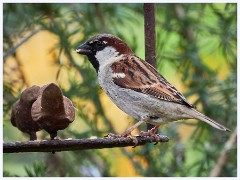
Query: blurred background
[196, 51]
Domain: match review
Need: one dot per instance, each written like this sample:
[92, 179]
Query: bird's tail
[197, 115]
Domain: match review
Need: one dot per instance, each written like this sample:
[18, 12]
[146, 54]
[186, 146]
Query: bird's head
[103, 49]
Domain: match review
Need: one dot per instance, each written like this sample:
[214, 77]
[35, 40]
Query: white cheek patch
[118, 75]
[107, 55]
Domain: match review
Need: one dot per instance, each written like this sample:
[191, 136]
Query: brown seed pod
[21, 112]
[52, 111]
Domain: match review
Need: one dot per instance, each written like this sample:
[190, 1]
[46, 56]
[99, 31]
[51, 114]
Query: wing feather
[142, 77]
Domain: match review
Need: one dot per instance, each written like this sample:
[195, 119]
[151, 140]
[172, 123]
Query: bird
[52, 111]
[21, 112]
[136, 87]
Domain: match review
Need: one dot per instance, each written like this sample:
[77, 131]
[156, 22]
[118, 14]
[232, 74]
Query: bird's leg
[33, 136]
[151, 132]
[127, 133]
[53, 135]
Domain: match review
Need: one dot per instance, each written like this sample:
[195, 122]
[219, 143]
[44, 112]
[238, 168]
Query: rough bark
[75, 144]
[150, 38]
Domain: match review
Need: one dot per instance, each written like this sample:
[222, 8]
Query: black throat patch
[94, 62]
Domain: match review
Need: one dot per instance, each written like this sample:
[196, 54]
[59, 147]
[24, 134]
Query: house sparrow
[52, 111]
[21, 112]
[136, 87]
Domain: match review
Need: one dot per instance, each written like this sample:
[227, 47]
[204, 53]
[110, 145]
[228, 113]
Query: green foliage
[190, 39]
[37, 169]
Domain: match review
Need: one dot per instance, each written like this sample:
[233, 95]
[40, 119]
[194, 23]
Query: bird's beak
[84, 49]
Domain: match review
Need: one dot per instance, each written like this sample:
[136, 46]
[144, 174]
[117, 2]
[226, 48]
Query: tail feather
[202, 117]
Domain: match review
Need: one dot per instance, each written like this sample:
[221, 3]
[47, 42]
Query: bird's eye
[99, 43]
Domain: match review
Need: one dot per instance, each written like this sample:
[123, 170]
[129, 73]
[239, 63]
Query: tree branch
[150, 35]
[150, 38]
[13, 49]
[224, 154]
[99, 15]
[76, 144]
[181, 16]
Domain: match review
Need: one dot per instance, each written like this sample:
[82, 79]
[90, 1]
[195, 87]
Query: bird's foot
[127, 133]
[151, 133]
[53, 135]
[33, 136]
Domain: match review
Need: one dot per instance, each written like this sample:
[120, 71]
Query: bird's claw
[135, 140]
[157, 139]
[150, 134]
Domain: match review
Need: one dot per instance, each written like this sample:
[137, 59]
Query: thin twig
[13, 49]
[181, 15]
[76, 144]
[224, 154]
[99, 15]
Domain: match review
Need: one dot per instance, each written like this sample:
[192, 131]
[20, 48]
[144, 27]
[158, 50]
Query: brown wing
[138, 75]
